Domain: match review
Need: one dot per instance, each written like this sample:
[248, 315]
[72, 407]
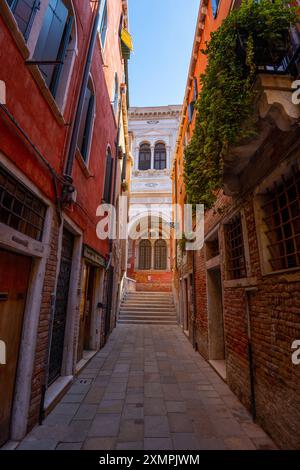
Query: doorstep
[219, 367]
[55, 392]
[10, 445]
[87, 356]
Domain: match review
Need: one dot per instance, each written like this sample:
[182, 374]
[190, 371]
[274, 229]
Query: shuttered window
[215, 7]
[108, 177]
[145, 157]
[24, 12]
[53, 41]
[160, 157]
[103, 24]
[145, 255]
[86, 123]
[160, 255]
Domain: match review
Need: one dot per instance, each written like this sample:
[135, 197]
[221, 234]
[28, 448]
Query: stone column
[152, 157]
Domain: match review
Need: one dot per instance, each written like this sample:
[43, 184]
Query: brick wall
[38, 378]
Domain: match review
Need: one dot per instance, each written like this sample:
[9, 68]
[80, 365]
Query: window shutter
[61, 56]
[195, 89]
[124, 167]
[108, 178]
[50, 38]
[215, 6]
[191, 109]
[24, 12]
[88, 128]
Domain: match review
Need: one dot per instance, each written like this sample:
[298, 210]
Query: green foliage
[227, 94]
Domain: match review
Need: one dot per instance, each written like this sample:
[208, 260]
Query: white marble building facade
[153, 132]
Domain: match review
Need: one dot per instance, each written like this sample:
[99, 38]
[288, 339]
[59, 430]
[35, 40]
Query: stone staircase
[148, 308]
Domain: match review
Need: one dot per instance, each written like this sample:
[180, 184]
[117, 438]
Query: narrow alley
[148, 389]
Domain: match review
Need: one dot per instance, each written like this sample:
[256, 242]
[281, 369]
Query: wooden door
[14, 278]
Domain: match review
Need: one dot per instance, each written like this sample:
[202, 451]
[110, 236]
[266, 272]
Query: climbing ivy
[225, 107]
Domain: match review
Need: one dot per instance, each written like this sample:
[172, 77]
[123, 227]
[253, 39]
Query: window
[86, 123]
[145, 255]
[19, 208]
[52, 46]
[145, 157]
[108, 177]
[160, 255]
[160, 157]
[236, 264]
[103, 24]
[215, 7]
[24, 12]
[116, 94]
[282, 218]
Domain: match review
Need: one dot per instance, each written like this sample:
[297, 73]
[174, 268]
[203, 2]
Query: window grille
[236, 264]
[282, 218]
[19, 208]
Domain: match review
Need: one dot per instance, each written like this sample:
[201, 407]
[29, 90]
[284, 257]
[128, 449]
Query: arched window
[160, 157]
[86, 123]
[145, 255]
[56, 45]
[160, 255]
[145, 157]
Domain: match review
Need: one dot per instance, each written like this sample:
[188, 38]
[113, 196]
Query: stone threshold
[56, 391]
[220, 367]
[87, 356]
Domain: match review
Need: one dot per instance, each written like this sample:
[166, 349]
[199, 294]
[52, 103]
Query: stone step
[147, 307]
[150, 321]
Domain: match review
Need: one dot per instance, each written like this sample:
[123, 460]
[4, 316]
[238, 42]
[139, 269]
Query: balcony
[275, 114]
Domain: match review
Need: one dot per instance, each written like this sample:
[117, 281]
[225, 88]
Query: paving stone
[148, 389]
[211, 444]
[154, 407]
[180, 423]
[69, 446]
[95, 395]
[99, 443]
[86, 412]
[153, 443]
[157, 426]
[66, 409]
[38, 444]
[77, 431]
[226, 427]
[139, 445]
[111, 406]
[73, 398]
[153, 390]
[131, 431]
[132, 411]
[176, 407]
[185, 441]
[105, 425]
[239, 443]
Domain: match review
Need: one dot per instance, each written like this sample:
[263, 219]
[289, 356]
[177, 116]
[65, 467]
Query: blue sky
[163, 33]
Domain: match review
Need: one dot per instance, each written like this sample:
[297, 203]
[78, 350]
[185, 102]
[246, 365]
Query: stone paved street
[147, 389]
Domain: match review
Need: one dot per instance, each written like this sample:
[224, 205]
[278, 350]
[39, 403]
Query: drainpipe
[68, 189]
[248, 294]
[194, 302]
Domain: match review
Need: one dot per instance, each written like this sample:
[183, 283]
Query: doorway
[14, 279]
[86, 309]
[61, 306]
[216, 321]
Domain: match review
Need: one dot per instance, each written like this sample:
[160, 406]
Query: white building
[153, 132]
